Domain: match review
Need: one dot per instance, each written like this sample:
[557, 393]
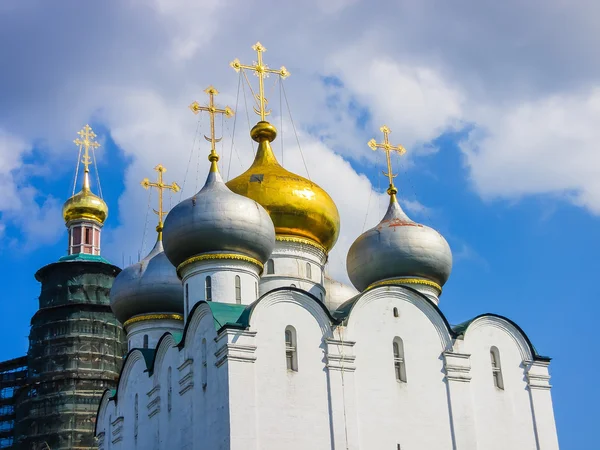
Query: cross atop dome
[160, 186]
[212, 111]
[262, 71]
[387, 148]
[86, 143]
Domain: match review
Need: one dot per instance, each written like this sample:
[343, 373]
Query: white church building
[238, 340]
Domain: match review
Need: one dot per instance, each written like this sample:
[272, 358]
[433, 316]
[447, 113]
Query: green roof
[83, 257]
[227, 314]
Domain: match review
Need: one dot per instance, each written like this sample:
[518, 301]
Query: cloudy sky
[498, 104]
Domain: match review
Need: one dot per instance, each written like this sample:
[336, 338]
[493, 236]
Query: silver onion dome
[217, 220]
[337, 293]
[147, 287]
[398, 247]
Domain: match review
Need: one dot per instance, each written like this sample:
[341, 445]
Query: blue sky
[499, 116]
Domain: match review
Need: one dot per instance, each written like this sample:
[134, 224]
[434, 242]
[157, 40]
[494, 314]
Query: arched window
[169, 390]
[145, 341]
[204, 365]
[396, 312]
[187, 298]
[399, 362]
[308, 271]
[291, 353]
[292, 285]
[136, 418]
[238, 289]
[208, 288]
[270, 267]
[496, 368]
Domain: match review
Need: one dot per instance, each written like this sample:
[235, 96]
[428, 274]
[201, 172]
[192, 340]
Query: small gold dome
[297, 206]
[85, 205]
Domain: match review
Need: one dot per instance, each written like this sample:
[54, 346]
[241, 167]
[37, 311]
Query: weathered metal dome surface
[215, 220]
[398, 247]
[147, 287]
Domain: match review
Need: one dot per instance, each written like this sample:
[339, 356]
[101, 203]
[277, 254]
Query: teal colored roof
[227, 314]
[83, 257]
[177, 337]
[148, 354]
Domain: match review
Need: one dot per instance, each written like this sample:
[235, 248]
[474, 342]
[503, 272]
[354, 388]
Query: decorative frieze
[340, 355]
[154, 401]
[186, 376]
[457, 366]
[228, 350]
[117, 430]
[537, 374]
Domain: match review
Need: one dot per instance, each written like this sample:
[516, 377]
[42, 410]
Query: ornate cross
[262, 71]
[387, 148]
[88, 142]
[161, 186]
[212, 110]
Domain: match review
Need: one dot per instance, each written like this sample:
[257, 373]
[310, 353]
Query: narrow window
[399, 363]
[136, 418]
[145, 341]
[291, 355]
[208, 287]
[396, 312]
[204, 365]
[169, 390]
[187, 298]
[496, 368]
[238, 289]
[270, 267]
[256, 289]
[308, 271]
[88, 236]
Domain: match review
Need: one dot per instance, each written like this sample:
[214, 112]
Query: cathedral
[238, 340]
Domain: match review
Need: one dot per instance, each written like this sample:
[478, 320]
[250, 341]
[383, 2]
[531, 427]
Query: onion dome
[298, 207]
[215, 220]
[399, 250]
[337, 293]
[150, 286]
[85, 205]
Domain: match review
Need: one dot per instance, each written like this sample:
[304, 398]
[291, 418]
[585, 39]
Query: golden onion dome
[85, 205]
[297, 206]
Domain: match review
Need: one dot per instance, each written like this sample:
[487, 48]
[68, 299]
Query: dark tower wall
[75, 352]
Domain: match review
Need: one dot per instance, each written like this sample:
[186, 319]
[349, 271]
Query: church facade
[238, 339]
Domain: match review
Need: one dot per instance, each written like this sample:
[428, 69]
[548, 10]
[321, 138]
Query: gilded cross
[87, 141]
[387, 148]
[212, 111]
[262, 71]
[161, 186]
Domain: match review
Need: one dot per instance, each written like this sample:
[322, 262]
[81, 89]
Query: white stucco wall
[345, 394]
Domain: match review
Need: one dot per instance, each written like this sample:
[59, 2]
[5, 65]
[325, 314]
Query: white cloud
[545, 146]
[422, 68]
[39, 221]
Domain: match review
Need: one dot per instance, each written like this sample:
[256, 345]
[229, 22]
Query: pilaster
[538, 383]
[462, 417]
[236, 354]
[341, 367]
